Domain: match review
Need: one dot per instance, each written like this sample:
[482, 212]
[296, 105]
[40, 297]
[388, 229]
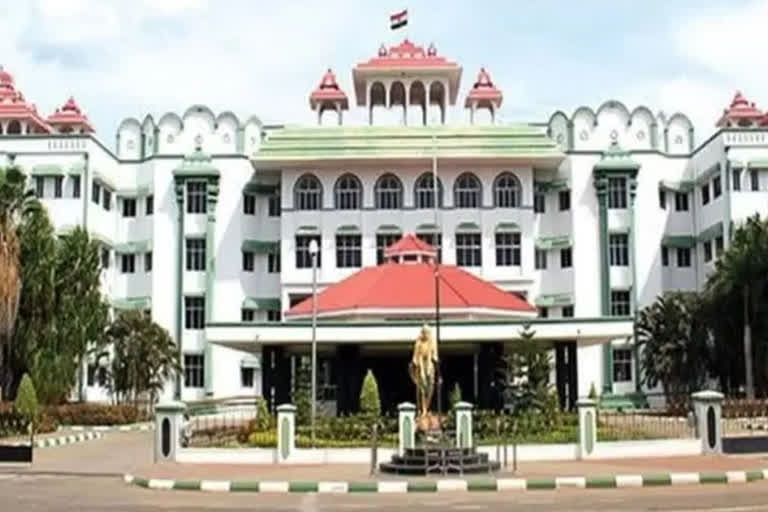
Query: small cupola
[328, 95]
[70, 119]
[410, 249]
[741, 113]
[483, 95]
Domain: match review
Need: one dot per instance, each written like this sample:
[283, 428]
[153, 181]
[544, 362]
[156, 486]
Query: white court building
[582, 218]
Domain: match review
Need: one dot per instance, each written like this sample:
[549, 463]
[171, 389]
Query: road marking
[273, 486]
[570, 481]
[215, 485]
[510, 484]
[451, 485]
[684, 478]
[738, 477]
[332, 487]
[156, 483]
[390, 487]
[629, 481]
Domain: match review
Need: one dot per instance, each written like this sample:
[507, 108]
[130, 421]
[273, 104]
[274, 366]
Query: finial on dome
[432, 50]
[382, 50]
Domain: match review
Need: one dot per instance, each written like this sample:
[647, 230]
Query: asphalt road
[34, 493]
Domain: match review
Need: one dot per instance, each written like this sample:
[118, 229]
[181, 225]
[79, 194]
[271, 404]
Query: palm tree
[16, 202]
[742, 271]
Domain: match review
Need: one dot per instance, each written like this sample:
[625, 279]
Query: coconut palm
[16, 202]
[741, 272]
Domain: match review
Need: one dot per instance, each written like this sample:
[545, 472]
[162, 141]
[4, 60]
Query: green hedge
[13, 424]
[96, 414]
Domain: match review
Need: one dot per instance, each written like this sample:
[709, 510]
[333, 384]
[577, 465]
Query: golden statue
[422, 371]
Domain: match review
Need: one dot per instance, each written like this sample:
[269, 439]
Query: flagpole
[438, 246]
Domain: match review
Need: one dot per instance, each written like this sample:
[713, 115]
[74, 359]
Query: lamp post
[313, 251]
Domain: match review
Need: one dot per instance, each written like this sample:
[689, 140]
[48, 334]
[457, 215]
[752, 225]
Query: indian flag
[399, 19]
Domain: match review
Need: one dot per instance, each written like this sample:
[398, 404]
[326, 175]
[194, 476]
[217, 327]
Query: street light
[313, 252]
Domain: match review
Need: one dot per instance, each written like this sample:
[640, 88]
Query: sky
[130, 58]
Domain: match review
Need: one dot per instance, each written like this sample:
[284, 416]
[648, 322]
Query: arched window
[467, 191]
[507, 192]
[388, 193]
[425, 192]
[308, 193]
[349, 193]
[13, 127]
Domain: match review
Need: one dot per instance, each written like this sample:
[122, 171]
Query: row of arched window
[389, 190]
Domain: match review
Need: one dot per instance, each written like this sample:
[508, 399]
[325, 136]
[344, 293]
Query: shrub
[455, 396]
[26, 404]
[370, 405]
[96, 414]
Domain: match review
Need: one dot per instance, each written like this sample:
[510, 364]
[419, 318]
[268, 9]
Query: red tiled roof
[70, 114]
[410, 244]
[484, 90]
[328, 90]
[13, 106]
[407, 54]
[393, 286]
[740, 112]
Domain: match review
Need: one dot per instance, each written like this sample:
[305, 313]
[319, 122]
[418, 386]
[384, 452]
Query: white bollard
[406, 427]
[169, 422]
[463, 411]
[286, 432]
[708, 410]
[587, 427]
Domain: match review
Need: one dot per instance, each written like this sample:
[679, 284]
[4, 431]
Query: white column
[708, 409]
[587, 427]
[427, 97]
[406, 427]
[169, 422]
[286, 432]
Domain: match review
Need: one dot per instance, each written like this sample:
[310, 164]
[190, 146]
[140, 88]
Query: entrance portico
[470, 350]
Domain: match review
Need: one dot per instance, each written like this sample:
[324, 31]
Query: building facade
[206, 221]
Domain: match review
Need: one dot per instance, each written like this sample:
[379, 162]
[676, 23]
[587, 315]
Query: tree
[26, 404]
[302, 392]
[673, 337]
[143, 357]
[16, 203]
[455, 396]
[62, 310]
[370, 405]
[741, 272]
[524, 374]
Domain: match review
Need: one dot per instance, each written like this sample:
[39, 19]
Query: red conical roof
[14, 107]
[70, 115]
[740, 113]
[328, 91]
[409, 289]
[484, 91]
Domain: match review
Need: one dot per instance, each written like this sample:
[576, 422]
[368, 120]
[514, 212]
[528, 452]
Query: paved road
[34, 493]
[85, 477]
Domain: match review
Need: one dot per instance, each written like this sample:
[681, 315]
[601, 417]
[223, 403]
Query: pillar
[406, 427]
[707, 408]
[169, 421]
[463, 411]
[179, 190]
[587, 427]
[601, 188]
[212, 193]
[286, 432]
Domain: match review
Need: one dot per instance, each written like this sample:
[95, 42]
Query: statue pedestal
[429, 423]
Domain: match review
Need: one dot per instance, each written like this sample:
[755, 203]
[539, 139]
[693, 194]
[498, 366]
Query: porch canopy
[582, 330]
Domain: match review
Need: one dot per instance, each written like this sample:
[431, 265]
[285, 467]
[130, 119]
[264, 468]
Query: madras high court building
[569, 224]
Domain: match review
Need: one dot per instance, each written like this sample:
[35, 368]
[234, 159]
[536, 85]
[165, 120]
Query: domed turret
[328, 95]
